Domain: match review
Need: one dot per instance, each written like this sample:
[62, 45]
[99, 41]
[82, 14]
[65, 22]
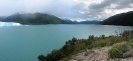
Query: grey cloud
[102, 5]
[124, 4]
[99, 9]
[107, 3]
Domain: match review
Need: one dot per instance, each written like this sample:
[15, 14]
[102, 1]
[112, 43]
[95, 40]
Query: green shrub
[118, 50]
[41, 57]
[115, 53]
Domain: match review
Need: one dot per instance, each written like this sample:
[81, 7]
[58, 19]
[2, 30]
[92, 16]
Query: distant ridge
[35, 18]
[41, 18]
[82, 22]
[124, 19]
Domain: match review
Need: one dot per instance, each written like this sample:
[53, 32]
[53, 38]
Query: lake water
[25, 43]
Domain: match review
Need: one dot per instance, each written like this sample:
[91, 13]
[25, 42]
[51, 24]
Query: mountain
[35, 18]
[82, 22]
[70, 21]
[41, 18]
[1, 18]
[89, 22]
[124, 19]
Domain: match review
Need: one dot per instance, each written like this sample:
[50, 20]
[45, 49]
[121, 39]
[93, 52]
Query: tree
[103, 36]
[41, 57]
[91, 37]
[74, 39]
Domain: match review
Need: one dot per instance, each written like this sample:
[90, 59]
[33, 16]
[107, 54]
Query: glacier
[9, 24]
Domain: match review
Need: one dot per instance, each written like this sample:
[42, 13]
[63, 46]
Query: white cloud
[73, 9]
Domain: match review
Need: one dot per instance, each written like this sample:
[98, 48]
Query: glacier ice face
[9, 24]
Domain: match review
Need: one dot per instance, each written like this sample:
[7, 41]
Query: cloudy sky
[71, 9]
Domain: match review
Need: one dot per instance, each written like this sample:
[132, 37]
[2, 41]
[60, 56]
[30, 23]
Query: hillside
[1, 18]
[111, 48]
[40, 18]
[35, 18]
[124, 19]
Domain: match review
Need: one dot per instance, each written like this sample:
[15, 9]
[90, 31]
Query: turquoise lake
[25, 43]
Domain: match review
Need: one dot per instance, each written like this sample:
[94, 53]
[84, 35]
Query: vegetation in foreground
[74, 46]
[121, 50]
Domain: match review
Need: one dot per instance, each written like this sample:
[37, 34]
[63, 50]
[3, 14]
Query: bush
[41, 57]
[115, 53]
[118, 50]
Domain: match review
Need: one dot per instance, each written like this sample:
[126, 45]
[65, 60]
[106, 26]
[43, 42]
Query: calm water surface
[25, 43]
